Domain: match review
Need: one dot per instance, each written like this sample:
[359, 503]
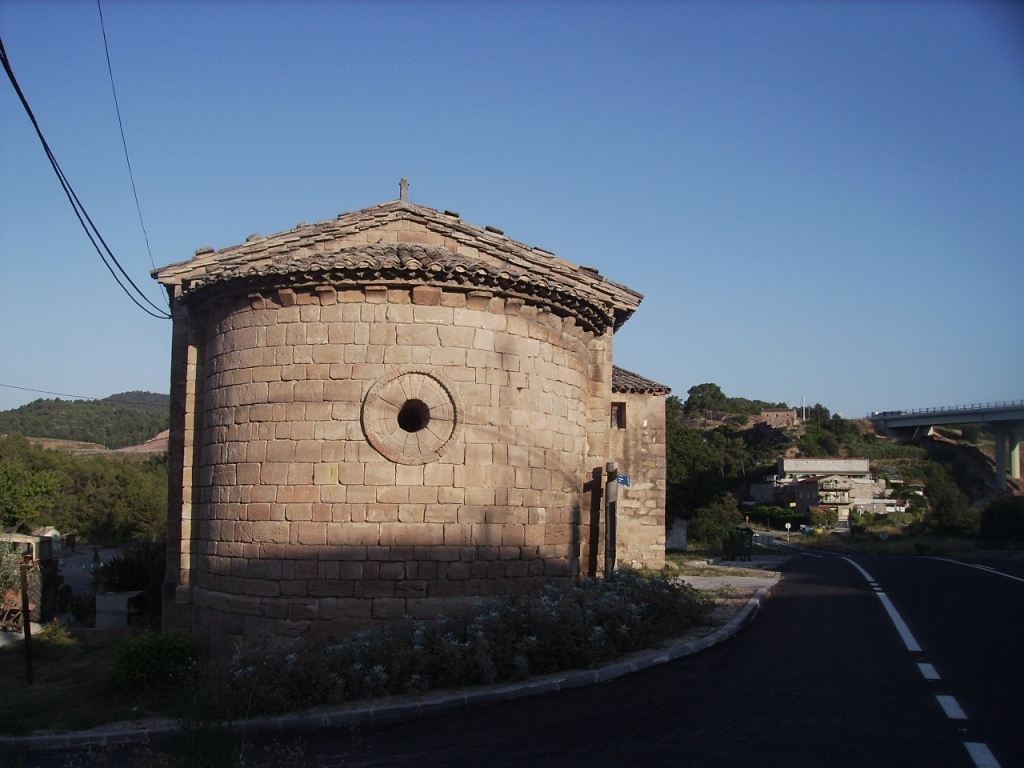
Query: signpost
[26, 614]
[788, 526]
[611, 499]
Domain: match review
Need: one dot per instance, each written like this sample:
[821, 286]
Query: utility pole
[611, 498]
[26, 617]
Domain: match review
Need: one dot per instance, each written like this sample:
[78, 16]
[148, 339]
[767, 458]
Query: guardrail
[948, 409]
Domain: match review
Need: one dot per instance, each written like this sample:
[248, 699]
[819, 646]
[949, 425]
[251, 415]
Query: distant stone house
[391, 413]
[779, 418]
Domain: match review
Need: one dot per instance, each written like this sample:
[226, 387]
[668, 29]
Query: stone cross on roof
[403, 187]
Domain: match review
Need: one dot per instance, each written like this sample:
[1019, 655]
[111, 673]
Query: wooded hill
[107, 499]
[127, 418]
[710, 468]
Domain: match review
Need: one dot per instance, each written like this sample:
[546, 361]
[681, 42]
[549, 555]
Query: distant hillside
[149, 401]
[127, 418]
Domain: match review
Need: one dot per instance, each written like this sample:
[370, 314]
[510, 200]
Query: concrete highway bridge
[1006, 420]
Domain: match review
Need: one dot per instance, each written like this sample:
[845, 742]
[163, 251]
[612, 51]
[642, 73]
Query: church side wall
[639, 449]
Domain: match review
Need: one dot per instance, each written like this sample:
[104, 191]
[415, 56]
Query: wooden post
[611, 497]
[26, 615]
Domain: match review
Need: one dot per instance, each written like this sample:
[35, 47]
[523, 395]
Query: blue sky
[820, 200]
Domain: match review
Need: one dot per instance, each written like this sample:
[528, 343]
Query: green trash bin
[738, 543]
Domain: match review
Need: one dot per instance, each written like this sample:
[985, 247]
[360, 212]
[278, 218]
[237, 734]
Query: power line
[117, 108]
[79, 397]
[91, 231]
[46, 392]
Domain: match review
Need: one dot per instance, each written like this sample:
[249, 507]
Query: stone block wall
[639, 448]
[599, 383]
[309, 512]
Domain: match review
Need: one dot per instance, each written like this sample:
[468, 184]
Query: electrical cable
[117, 107]
[79, 397]
[80, 212]
[47, 392]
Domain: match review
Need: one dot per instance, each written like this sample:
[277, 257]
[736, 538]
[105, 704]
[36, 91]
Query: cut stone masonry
[393, 413]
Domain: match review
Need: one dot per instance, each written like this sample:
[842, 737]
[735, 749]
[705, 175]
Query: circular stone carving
[410, 416]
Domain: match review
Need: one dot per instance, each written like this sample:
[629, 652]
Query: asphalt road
[821, 678]
[969, 622]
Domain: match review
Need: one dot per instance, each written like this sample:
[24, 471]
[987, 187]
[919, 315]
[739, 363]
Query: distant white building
[838, 484]
[797, 469]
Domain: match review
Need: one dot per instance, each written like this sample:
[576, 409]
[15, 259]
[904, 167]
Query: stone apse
[391, 413]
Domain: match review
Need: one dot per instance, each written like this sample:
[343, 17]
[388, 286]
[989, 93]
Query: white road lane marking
[901, 626]
[951, 708]
[985, 568]
[897, 620]
[928, 671]
[981, 754]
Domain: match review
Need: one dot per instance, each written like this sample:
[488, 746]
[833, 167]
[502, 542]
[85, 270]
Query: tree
[818, 442]
[970, 433]
[704, 397]
[693, 467]
[102, 499]
[824, 517]
[1002, 519]
[712, 522]
[948, 507]
[25, 494]
[818, 414]
[114, 423]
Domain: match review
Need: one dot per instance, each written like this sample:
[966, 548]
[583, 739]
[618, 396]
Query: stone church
[392, 413]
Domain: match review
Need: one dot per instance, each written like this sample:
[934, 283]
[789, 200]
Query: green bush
[151, 660]
[970, 433]
[83, 608]
[1003, 519]
[10, 567]
[710, 523]
[777, 517]
[142, 566]
[824, 518]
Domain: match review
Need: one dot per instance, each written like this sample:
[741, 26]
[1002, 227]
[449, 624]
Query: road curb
[396, 712]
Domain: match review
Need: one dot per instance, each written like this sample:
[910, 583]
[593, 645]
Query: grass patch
[684, 565]
[696, 550]
[70, 690]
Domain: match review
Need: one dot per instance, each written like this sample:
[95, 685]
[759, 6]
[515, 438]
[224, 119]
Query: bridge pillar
[1008, 454]
[1013, 437]
[1002, 439]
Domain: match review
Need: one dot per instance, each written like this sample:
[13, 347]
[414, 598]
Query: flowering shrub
[555, 629]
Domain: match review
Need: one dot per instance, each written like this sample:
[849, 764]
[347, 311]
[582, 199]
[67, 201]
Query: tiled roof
[433, 247]
[627, 381]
